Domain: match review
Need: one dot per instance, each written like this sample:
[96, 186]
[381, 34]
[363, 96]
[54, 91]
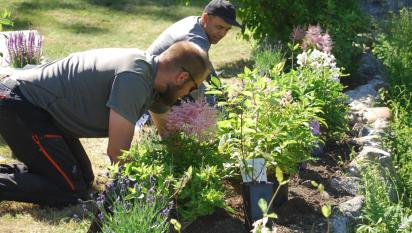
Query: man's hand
[121, 133]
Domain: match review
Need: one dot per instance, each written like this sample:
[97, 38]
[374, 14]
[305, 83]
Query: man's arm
[121, 133]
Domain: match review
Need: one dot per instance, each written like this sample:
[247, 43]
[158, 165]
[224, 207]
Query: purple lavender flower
[24, 49]
[100, 216]
[315, 127]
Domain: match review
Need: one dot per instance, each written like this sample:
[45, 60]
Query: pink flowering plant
[315, 76]
[196, 119]
[185, 163]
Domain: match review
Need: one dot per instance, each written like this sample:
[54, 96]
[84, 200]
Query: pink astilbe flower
[315, 38]
[193, 119]
[326, 43]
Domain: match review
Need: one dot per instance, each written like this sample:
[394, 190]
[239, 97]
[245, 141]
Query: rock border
[368, 123]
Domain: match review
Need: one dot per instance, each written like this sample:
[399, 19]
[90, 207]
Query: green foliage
[184, 168]
[317, 86]
[202, 194]
[393, 48]
[138, 216]
[398, 141]
[266, 56]
[274, 21]
[5, 19]
[264, 119]
[379, 213]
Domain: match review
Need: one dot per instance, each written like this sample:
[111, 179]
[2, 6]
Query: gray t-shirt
[187, 29]
[79, 90]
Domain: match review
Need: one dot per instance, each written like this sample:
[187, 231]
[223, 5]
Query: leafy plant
[379, 213]
[127, 206]
[185, 169]
[263, 119]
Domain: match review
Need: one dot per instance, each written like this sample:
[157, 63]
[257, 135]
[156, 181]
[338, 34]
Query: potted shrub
[264, 122]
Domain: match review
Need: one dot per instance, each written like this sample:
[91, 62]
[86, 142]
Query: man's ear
[181, 78]
[205, 18]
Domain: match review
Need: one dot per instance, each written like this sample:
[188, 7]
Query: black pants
[55, 169]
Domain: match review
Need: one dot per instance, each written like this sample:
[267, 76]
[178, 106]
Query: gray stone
[346, 215]
[378, 127]
[372, 154]
[372, 140]
[364, 96]
[347, 184]
[354, 170]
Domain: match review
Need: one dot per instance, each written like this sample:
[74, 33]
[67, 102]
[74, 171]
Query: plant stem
[274, 195]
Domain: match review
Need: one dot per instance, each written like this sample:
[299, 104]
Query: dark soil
[302, 211]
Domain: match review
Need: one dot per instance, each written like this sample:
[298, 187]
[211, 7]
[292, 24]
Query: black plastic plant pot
[252, 192]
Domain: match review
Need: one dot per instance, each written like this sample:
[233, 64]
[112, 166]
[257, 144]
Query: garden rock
[368, 154]
[346, 184]
[364, 96]
[344, 217]
[376, 128]
[371, 140]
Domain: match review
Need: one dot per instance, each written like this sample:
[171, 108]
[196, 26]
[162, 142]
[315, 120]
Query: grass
[76, 25]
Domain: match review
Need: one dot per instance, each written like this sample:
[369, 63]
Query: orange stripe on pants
[47, 155]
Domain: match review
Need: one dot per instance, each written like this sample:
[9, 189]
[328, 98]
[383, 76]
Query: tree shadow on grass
[47, 5]
[84, 28]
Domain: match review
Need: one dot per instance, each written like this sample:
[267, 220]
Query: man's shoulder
[189, 20]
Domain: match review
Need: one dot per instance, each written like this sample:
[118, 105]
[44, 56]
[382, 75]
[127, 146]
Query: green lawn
[76, 25]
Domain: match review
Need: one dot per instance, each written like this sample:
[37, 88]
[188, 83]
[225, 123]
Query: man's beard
[169, 96]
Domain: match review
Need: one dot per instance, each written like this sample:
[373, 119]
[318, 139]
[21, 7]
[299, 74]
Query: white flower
[316, 59]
